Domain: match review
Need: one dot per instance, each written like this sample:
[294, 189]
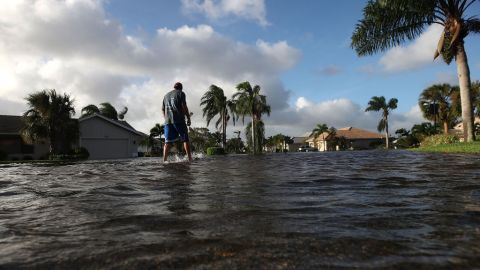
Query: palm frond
[107, 110]
[381, 125]
[388, 23]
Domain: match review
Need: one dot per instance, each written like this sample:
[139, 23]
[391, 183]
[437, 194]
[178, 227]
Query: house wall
[14, 146]
[364, 143]
[107, 139]
[294, 147]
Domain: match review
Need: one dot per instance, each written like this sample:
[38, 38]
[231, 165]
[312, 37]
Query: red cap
[178, 86]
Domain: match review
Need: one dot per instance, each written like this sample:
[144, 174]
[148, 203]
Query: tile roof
[10, 124]
[350, 133]
[357, 133]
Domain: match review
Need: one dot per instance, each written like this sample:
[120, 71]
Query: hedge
[212, 151]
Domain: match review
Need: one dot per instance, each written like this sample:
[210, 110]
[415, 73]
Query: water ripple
[339, 210]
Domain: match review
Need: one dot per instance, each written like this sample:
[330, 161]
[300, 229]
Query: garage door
[106, 148]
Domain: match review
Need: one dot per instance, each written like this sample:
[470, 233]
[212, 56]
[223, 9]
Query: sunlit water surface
[341, 210]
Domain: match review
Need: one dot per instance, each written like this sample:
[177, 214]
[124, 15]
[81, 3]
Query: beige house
[105, 138]
[458, 129]
[355, 138]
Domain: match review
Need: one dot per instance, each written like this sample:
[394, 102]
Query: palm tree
[379, 104]
[476, 97]
[423, 130]
[436, 104]
[332, 133]
[215, 103]
[106, 109]
[121, 114]
[259, 135]
[50, 116]
[157, 131]
[388, 23]
[90, 110]
[320, 129]
[249, 101]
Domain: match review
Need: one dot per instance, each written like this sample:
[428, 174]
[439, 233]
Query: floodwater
[339, 210]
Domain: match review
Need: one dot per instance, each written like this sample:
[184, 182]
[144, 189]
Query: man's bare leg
[186, 145]
[166, 149]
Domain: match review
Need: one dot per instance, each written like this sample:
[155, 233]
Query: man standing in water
[175, 110]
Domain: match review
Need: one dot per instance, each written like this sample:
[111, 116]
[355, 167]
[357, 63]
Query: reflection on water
[343, 210]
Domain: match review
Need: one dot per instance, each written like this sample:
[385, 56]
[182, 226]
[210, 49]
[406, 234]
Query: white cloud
[217, 9]
[416, 55]
[72, 47]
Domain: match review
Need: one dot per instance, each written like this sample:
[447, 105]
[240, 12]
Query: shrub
[81, 153]
[75, 154]
[211, 151]
[3, 155]
[439, 140]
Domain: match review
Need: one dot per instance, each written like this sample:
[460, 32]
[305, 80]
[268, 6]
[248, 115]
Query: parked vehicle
[307, 148]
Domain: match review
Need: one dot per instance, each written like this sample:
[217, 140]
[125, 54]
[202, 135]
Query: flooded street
[336, 210]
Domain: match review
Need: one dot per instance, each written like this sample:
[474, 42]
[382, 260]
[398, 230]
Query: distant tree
[423, 130]
[260, 137]
[106, 109]
[436, 104]
[388, 23]
[342, 142]
[214, 102]
[90, 110]
[202, 138]
[50, 117]
[476, 97]
[405, 139]
[379, 104]
[234, 145]
[121, 114]
[269, 143]
[157, 131]
[320, 129]
[249, 101]
[155, 135]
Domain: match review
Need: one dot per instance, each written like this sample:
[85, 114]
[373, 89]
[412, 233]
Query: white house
[105, 138]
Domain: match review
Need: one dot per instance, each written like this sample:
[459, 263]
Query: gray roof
[10, 124]
[122, 124]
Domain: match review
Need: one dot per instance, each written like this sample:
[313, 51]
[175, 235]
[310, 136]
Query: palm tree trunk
[224, 129]
[465, 95]
[386, 133]
[445, 127]
[253, 134]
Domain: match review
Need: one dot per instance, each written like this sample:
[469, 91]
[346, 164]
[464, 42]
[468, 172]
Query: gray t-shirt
[172, 106]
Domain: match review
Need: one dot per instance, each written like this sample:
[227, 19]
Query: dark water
[364, 210]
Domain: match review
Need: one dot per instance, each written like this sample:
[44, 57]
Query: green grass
[469, 148]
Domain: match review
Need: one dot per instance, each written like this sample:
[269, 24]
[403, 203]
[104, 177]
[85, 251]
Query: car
[307, 148]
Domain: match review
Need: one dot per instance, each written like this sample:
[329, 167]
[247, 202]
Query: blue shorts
[175, 132]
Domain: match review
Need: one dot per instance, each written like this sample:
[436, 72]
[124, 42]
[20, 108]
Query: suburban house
[458, 129]
[297, 142]
[105, 138]
[14, 146]
[354, 138]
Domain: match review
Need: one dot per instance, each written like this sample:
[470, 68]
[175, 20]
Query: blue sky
[298, 51]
